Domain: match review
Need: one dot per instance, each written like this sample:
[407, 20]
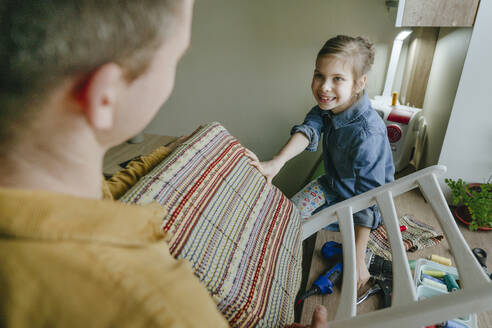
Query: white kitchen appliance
[406, 129]
[405, 125]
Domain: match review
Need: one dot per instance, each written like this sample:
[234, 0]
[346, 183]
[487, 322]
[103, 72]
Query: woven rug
[417, 236]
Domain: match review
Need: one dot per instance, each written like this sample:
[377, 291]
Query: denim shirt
[356, 153]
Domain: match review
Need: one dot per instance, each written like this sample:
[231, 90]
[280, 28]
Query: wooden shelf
[450, 13]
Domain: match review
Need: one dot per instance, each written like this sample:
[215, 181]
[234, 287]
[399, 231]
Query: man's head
[105, 53]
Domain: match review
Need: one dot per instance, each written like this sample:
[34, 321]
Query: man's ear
[360, 83]
[99, 93]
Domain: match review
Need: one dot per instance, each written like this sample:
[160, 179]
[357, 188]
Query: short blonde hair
[44, 42]
[358, 50]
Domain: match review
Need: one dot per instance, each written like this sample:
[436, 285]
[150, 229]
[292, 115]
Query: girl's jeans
[312, 199]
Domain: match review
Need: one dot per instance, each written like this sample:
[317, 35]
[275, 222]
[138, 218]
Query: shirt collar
[351, 113]
[52, 216]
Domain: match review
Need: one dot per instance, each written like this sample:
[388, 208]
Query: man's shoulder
[113, 284]
[44, 280]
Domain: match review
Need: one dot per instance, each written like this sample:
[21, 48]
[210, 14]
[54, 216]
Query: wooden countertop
[127, 151]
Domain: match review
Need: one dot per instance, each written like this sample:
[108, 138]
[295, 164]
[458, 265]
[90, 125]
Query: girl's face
[333, 84]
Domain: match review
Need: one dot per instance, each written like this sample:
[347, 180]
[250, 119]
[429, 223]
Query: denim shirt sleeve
[311, 128]
[370, 162]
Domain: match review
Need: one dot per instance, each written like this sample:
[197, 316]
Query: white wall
[250, 66]
[467, 147]
[444, 77]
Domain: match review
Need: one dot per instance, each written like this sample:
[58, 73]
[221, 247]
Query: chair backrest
[406, 311]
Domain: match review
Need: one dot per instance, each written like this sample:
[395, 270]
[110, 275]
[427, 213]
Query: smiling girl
[356, 151]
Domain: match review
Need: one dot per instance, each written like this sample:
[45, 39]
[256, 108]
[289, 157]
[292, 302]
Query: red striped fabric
[242, 237]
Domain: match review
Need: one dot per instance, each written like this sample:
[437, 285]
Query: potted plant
[475, 203]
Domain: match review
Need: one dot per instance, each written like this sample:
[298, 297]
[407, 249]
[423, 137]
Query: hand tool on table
[379, 267]
[481, 256]
[381, 271]
[332, 251]
[384, 286]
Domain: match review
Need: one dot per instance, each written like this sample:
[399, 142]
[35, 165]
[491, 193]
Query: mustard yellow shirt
[124, 179]
[73, 262]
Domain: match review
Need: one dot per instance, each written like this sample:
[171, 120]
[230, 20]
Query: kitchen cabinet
[451, 13]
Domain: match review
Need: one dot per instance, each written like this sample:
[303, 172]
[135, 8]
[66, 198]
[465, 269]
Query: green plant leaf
[478, 202]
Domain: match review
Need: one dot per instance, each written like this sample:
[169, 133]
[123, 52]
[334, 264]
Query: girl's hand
[363, 274]
[269, 169]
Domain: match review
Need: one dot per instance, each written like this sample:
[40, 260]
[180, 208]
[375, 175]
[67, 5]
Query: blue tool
[332, 251]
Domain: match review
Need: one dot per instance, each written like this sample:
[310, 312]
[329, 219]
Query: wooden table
[126, 151]
[412, 203]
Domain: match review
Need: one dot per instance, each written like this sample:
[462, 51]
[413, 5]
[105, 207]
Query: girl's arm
[373, 167]
[296, 145]
[361, 239]
[303, 137]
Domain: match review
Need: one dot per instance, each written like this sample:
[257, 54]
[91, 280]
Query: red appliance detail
[400, 115]
[394, 133]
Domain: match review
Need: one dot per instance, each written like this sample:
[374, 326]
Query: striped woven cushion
[241, 236]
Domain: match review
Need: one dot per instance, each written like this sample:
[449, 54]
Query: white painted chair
[405, 311]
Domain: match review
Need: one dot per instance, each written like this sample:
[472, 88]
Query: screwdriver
[325, 283]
